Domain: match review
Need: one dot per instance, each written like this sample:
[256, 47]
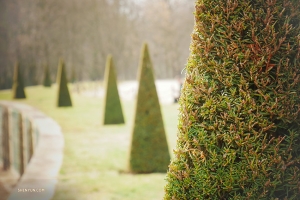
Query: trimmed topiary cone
[47, 79]
[64, 98]
[112, 106]
[239, 121]
[149, 148]
[18, 84]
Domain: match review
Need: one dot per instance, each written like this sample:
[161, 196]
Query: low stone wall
[31, 151]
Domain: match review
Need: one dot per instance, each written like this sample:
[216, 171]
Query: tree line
[38, 33]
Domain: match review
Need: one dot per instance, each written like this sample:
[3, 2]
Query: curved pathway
[40, 176]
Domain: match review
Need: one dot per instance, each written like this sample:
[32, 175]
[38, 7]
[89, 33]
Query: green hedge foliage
[112, 105]
[47, 79]
[149, 148]
[18, 84]
[64, 98]
[239, 122]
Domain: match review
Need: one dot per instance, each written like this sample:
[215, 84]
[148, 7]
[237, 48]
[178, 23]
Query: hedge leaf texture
[239, 122]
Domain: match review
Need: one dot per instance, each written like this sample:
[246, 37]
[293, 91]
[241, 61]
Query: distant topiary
[112, 106]
[64, 98]
[149, 148]
[239, 122]
[18, 84]
[47, 79]
[5, 138]
[73, 76]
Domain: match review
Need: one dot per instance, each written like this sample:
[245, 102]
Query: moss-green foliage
[149, 148]
[47, 79]
[18, 84]
[63, 98]
[239, 131]
[112, 106]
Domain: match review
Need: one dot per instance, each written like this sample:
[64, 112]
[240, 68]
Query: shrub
[18, 84]
[239, 122]
[112, 106]
[47, 79]
[149, 149]
[64, 98]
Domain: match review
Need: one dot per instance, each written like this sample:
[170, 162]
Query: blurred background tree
[37, 33]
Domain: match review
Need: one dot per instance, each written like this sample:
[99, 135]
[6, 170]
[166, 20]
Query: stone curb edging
[40, 177]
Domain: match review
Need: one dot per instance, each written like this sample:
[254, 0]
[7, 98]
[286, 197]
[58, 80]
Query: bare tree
[38, 33]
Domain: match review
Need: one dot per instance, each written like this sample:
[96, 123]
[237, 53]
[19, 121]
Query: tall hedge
[149, 148]
[18, 84]
[47, 79]
[63, 98]
[239, 122]
[112, 105]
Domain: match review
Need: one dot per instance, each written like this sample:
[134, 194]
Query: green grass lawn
[95, 156]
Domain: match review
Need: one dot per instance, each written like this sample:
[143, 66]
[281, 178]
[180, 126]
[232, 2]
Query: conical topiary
[239, 122]
[18, 84]
[112, 106]
[149, 148]
[64, 98]
[47, 79]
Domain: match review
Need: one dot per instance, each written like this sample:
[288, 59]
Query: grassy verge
[95, 156]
